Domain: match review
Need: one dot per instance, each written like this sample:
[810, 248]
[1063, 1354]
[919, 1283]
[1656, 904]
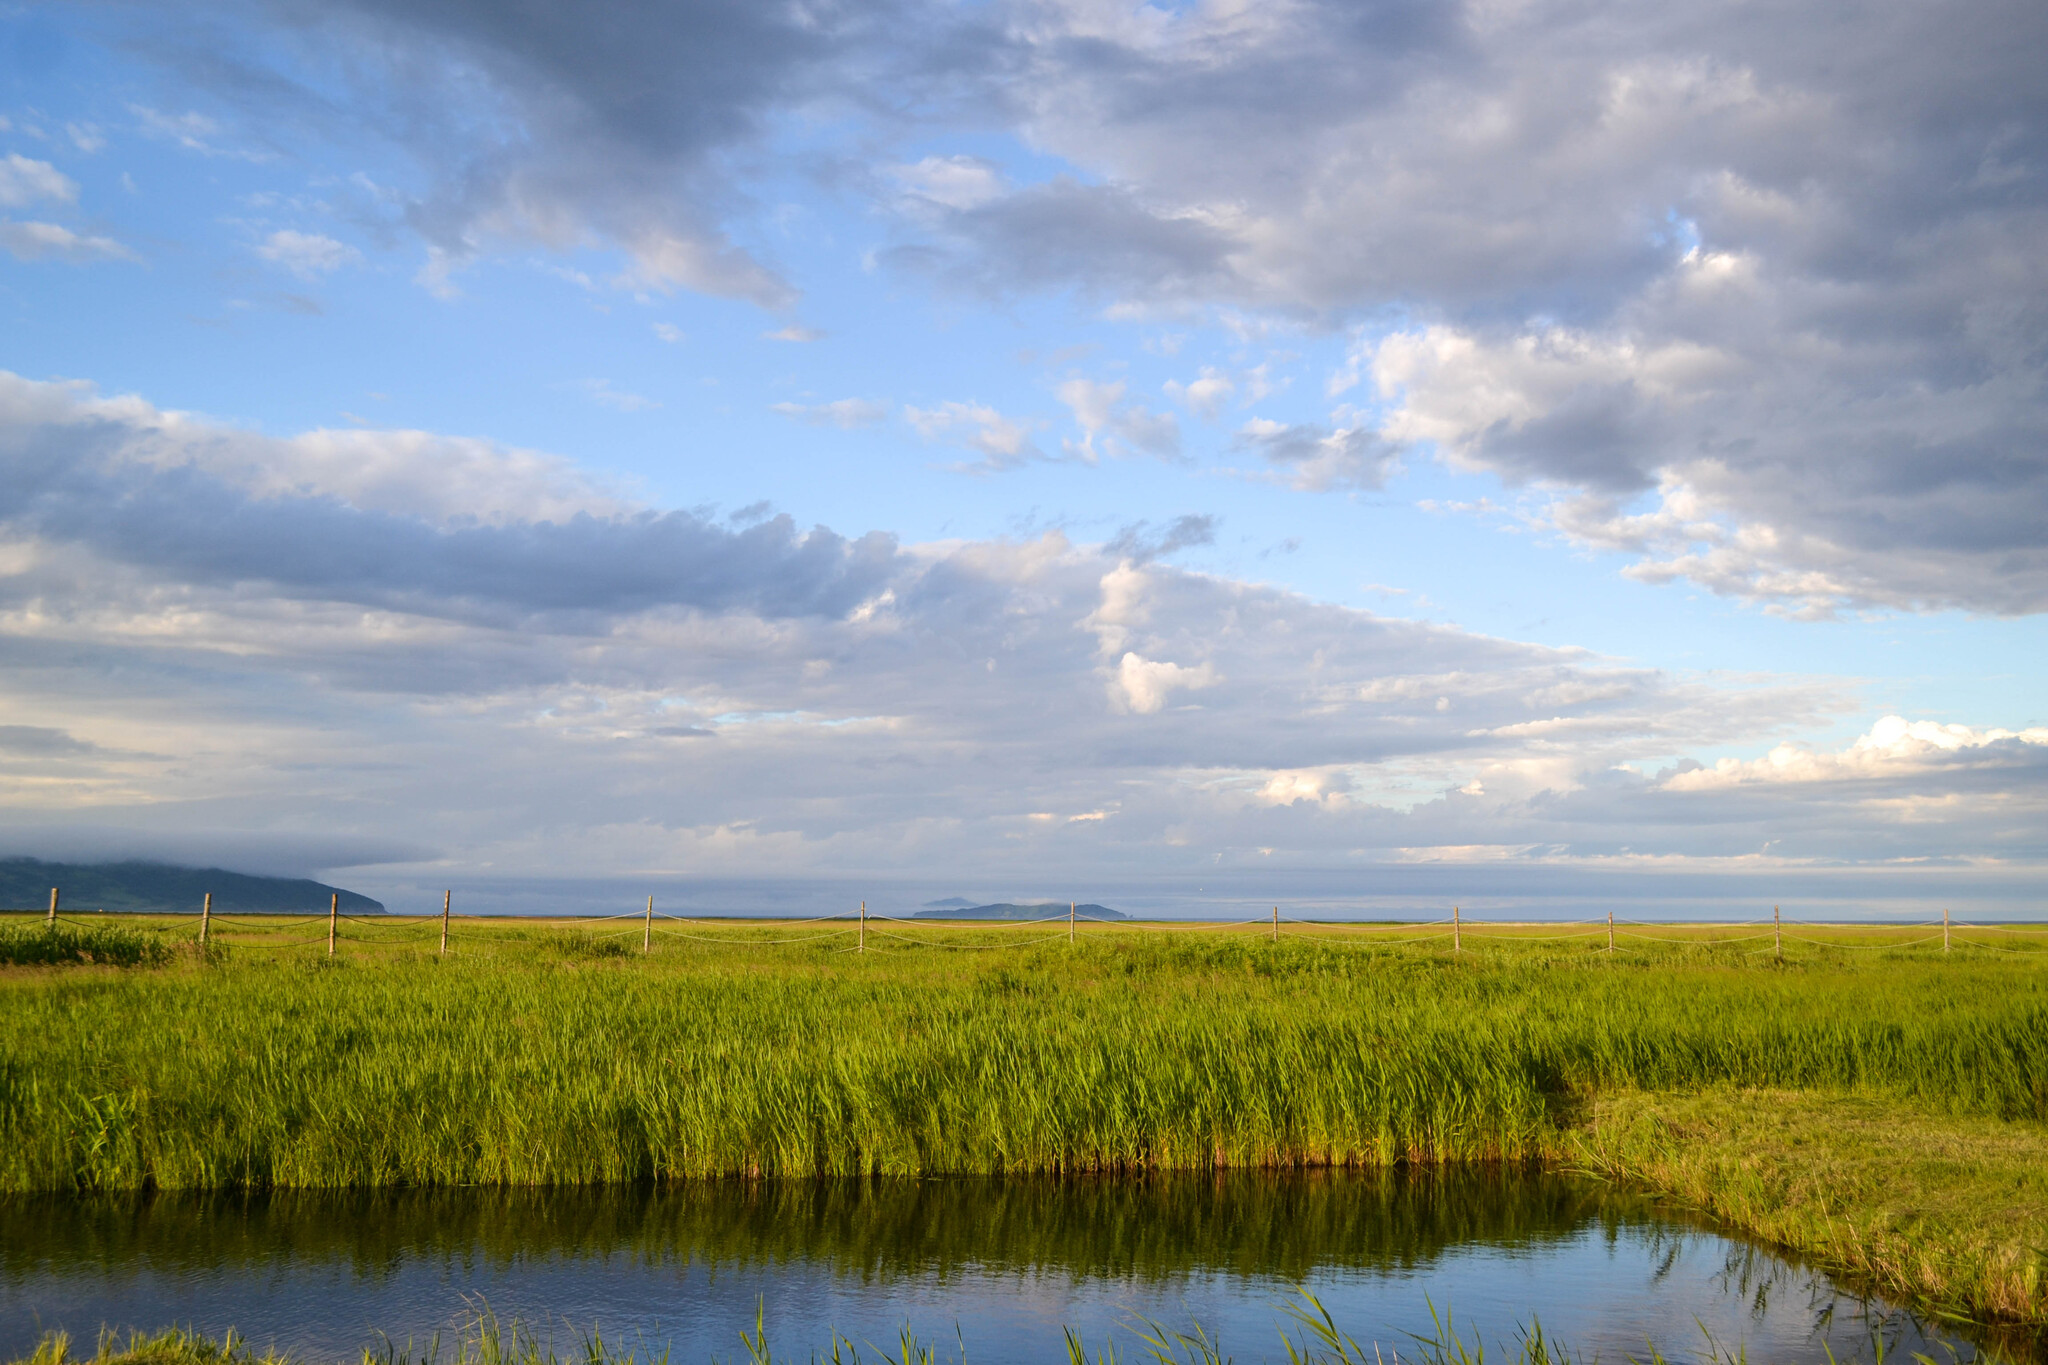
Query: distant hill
[157, 887]
[1006, 910]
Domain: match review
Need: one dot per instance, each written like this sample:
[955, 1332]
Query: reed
[545, 1061]
[537, 1054]
[63, 945]
[1309, 1335]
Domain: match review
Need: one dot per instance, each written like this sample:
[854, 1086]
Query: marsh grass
[175, 1346]
[1950, 1215]
[41, 945]
[486, 1340]
[1308, 1335]
[539, 1054]
[552, 1058]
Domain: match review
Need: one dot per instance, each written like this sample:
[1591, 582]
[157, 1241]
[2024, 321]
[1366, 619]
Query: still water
[998, 1267]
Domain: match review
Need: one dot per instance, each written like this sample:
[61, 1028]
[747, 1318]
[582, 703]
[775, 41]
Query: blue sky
[1538, 447]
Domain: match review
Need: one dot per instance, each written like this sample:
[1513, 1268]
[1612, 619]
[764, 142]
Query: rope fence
[374, 932]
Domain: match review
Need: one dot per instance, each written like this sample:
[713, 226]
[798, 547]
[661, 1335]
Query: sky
[1362, 457]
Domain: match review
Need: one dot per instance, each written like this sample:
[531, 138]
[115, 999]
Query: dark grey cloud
[1781, 264]
[548, 123]
[40, 741]
[242, 850]
[1138, 543]
[1534, 157]
[97, 484]
[1062, 233]
[1317, 457]
[1785, 264]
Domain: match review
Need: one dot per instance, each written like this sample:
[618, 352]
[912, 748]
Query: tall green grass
[535, 1062]
[42, 945]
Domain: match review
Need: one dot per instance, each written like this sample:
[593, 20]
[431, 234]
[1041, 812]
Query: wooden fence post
[1944, 928]
[1070, 923]
[1276, 924]
[1457, 934]
[333, 914]
[205, 917]
[1777, 936]
[1610, 931]
[446, 897]
[863, 926]
[53, 907]
[647, 934]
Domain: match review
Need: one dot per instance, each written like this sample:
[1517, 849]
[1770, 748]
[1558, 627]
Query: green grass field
[543, 1053]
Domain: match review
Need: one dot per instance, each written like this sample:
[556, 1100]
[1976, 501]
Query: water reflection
[1005, 1263]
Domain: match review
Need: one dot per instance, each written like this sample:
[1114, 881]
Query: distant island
[158, 888]
[958, 908]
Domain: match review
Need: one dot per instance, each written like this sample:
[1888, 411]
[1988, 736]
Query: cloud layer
[195, 619]
[1751, 299]
[1756, 296]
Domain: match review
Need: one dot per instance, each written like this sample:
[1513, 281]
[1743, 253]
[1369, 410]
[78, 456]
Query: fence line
[1665, 938]
[372, 931]
[761, 942]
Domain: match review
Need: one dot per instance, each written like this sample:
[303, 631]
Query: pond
[997, 1267]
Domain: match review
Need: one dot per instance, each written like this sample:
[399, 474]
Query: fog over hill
[161, 888]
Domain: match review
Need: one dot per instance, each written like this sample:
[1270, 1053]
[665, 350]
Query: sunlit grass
[44, 945]
[557, 1052]
[540, 1053]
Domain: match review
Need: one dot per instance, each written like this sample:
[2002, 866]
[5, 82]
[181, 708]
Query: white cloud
[1286, 787]
[1004, 442]
[794, 332]
[1144, 685]
[668, 332]
[1317, 458]
[397, 472]
[33, 241]
[1458, 391]
[844, 413]
[679, 255]
[436, 274]
[1894, 747]
[573, 276]
[603, 392]
[1205, 395]
[307, 254]
[194, 131]
[956, 182]
[86, 137]
[1119, 427]
[24, 181]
